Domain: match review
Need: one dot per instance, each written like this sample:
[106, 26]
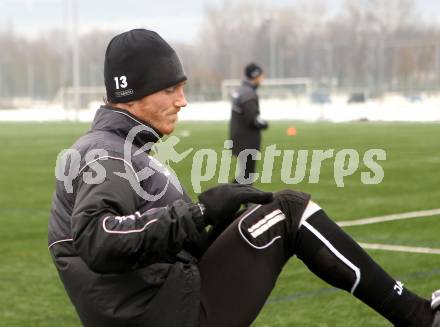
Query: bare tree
[368, 44]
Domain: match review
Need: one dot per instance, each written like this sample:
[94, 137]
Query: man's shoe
[435, 305]
[435, 300]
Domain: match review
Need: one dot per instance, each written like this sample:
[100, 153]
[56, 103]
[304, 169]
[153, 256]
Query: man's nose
[180, 100]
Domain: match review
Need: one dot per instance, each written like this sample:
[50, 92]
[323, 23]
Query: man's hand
[223, 201]
[260, 123]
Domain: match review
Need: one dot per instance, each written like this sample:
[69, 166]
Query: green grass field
[32, 295]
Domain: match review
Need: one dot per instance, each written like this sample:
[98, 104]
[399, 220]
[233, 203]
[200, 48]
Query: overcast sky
[177, 20]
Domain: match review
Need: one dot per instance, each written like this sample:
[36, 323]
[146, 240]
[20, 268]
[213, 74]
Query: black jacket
[120, 252]
[246, 123]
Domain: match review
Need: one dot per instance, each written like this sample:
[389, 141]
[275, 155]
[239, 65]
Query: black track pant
[239, 270]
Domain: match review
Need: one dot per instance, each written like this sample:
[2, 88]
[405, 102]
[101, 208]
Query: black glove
[223, 201]
[261, 123]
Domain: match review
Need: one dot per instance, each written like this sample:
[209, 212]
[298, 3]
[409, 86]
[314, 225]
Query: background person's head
[144, 76]
[254, 73]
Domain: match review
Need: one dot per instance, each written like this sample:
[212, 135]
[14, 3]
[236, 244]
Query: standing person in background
[246, 123]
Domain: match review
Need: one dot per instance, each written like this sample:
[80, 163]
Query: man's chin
[168, 130]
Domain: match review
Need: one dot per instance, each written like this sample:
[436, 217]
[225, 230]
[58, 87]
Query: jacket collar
[248, 83]
[121, 122]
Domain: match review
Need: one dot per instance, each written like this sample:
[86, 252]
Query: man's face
[160, 109]
[258, 80]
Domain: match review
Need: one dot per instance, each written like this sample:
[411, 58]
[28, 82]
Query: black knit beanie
[138, 63]
[252, 71]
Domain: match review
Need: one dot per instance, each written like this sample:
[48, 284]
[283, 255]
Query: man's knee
[292, 203]
[292, 196]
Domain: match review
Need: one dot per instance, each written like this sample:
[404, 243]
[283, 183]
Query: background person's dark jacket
[120, 257]
[246, 124]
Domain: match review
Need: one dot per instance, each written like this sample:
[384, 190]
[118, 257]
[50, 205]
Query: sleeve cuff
[198, 211]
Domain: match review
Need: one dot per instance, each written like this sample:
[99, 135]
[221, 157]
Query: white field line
[399, 216]
[399, 248]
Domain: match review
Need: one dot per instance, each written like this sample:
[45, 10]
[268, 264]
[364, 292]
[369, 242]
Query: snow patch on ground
[391, 109]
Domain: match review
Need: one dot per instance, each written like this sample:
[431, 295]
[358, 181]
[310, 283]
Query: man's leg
[250, 166]
[334, 257]
[247, 166]
[241, 267]
[238, 271]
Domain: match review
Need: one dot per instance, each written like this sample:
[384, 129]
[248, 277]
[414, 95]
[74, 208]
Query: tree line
[371, 45]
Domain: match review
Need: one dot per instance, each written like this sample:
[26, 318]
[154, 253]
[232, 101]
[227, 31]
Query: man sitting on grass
[132, 250]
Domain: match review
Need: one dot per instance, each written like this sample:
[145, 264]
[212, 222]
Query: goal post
[86, 95]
